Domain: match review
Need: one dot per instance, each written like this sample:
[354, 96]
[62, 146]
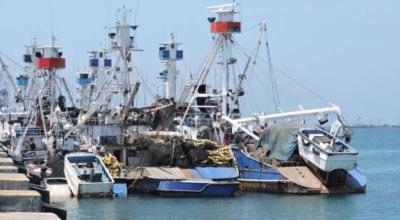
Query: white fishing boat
[87, 175]
[325, 150]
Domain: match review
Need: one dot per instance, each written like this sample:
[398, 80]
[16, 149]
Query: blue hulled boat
[198, 181]
[257, 176]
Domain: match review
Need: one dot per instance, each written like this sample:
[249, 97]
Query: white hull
[81, 188]
[325, 160]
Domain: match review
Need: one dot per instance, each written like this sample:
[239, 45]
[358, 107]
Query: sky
[347, 51]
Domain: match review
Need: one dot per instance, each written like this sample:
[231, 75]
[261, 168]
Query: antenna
[136, 12]
[51, 21]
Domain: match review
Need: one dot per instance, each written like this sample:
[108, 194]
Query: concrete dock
[16, 200]
[19, 201]
[3, 154]
[13, 181]
[28, 216]
[6, 161]
[8, 169]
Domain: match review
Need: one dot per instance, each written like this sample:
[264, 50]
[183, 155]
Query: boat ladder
[185, 93]
[204, 70]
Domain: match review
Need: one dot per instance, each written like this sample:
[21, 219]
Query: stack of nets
[180, 152]
[217, 155]
[112, 164]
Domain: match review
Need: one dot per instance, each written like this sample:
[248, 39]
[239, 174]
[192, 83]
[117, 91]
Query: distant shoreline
[374, 126]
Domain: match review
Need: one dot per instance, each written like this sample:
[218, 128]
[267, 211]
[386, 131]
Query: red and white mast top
[225, 22]
[49, 57]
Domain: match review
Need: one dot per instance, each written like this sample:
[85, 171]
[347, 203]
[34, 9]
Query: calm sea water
[379, 159]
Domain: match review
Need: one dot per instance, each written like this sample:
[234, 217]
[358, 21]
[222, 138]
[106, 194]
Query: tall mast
[224, 26]
[122, 42]
[169, 52]
[91, 80]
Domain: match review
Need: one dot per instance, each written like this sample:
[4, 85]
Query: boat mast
[122, 41]
[225, 26]
[47, 59]
[169, 52]
[223, 29]
[34, 75]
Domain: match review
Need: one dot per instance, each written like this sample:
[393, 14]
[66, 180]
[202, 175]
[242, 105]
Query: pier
[17, 201]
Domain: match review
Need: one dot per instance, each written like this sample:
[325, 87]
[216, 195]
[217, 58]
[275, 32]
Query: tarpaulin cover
[216, 173]
[280, 141]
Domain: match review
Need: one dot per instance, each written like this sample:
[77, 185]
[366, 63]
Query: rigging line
[290, 78]
[11, 60]
[72, 85]
[272, 76]
[282, 92]
[250, 28]
[301, 85]
[259, 82]
[255, 104]
[144, 82]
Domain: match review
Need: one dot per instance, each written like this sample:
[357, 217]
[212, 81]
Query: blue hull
[201, 188]
[198, 181]
[261, 177]
[250, 168]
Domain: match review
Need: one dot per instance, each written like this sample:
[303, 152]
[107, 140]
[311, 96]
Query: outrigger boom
[238, 123]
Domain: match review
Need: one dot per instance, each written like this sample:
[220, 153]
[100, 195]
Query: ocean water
[379, 159]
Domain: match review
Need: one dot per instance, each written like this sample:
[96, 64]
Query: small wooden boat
[325, 151]
[87, 175]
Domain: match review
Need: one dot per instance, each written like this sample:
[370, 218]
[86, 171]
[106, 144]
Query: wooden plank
[302, 176]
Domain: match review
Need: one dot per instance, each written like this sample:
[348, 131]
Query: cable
[290, 78]
[301, 84]
[144, 82]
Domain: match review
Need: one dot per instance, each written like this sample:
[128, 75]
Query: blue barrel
[94, 62]
[107, 63]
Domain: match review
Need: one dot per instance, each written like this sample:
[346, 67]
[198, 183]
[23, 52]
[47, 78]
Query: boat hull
[325, 160]
[256, 176]
[81, 188]
[197, 181]
[200, 188]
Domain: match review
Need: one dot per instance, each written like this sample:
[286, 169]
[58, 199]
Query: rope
[244, 50]
[274, 86]
[144, 82]
[301, 85]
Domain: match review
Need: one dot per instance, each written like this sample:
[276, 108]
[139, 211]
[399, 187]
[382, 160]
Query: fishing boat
[325, 151]
[87, 175]
[279, 150]
[270, 164]
[170, 165]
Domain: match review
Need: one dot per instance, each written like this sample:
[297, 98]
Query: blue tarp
[280, 141]
[217, 173]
